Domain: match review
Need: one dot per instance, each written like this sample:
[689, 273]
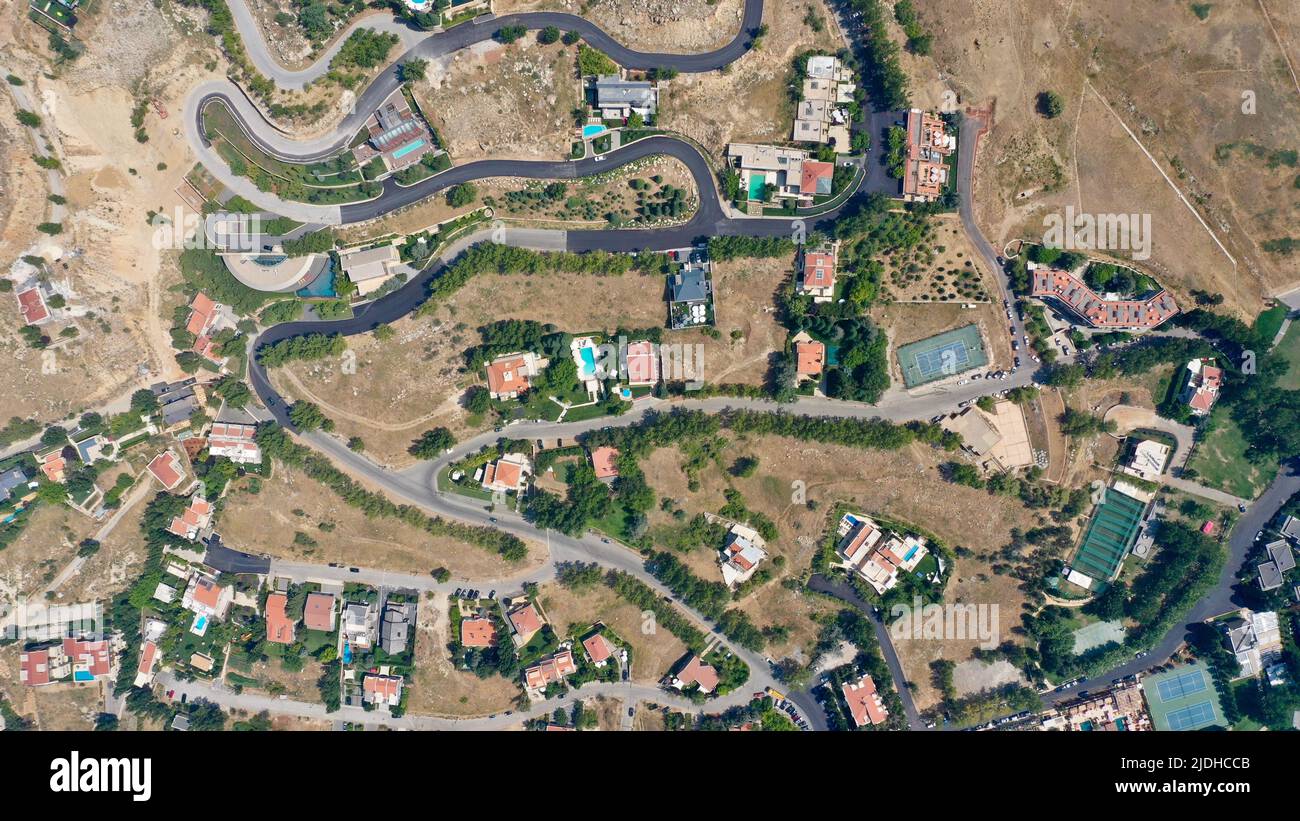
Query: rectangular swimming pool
[757, 182]
[589, 131]
[407, 149]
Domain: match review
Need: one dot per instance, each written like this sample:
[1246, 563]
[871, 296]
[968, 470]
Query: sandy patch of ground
[973, 676]
[672, 26]
[290, 503]
[652, 654]
[504, 102]
[1183, 100]
[47, 543]
[748, 100]
[67, 706]
[441, 690]
[943, 269]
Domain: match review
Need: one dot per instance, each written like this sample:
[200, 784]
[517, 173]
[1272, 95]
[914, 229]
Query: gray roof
[10, 479]
[180, 410]
[180, 387]
[690, 286]
[1291, 527]
[1281, 554]
[396, 628]
[611, 90]
[1270, 578]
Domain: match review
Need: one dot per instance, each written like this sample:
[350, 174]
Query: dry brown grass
[748, 100]
[674, 26]
[652, 655]
[903, 485]
[1182, 98]
[48, 542]
[291, 503]
[438, 688]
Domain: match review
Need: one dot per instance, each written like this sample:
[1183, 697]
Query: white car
[964, 382]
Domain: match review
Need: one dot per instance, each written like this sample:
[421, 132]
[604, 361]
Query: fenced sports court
[936, 357]
[1110, 534]
[1183, 699]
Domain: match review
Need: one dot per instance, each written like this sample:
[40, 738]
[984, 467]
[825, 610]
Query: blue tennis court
[946, 354]
[1200, 714]
[1184, 684]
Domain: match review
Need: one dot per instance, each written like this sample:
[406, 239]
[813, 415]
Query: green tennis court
[946, 354]
[1183, 699]
[1111, 532]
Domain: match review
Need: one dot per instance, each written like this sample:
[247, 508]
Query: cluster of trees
[1081, 423]
[317, 242]
[918, 39]
[297, 348]
[432, 444]
[882, 72]
[365, 48]
[510, 335]
[277, 444]
[722, 249]
[504, 259]
[708, 597]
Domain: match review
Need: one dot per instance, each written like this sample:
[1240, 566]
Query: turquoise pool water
[588, 363]
[407, 149]
[200, 623]
[269, 260]
[756, 183]
[347, 653]
[589, 131]
[910, 554]
[322, 285]
[82, 675]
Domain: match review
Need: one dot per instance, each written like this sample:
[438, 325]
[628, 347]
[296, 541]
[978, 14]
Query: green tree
[432, 443]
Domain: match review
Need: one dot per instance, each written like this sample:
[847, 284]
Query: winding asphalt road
[419, 485]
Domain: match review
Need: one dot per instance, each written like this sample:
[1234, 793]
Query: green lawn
[1289, 350]
[1221, 463]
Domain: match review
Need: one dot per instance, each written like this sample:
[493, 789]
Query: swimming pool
[322, 285]
[407, 149]
[269, 260]
[588, 363]
[589, 131]
[757, 182]
[910, 554]
[347, 653]
[82, 675]
[200, 624]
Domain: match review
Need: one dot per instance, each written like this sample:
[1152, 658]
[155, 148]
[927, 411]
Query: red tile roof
[96, 655]
[810, 356]
[598, 648]
[318, 613]
[551, 670]
[1098, 312]
[813, 171]
[382, 688]
[207, 593]
[697, 672]
[864, 702]
[201, 312]
[279, 628]
[525, 619]
[167, 469]
[477, 633]
[148, 655]
[642, 363]
[506, 376]
[604, 461]
[818, 270]
[34, 668]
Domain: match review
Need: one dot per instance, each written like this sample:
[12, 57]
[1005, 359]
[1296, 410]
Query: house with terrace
[640, 365]
[360, 624]
[525, 621]
[318, 612]
[1204, 380]
[207, 600]
[1106, 313]
[928, 144]
[507, 474]
[371, 268]
[477, 632]
[395, 134]
[550, 670]
[1280, 560]
[816, 276]
[167, 469]
[877, 555]
[236, 442]
[694, 672]
[1255, 639]
[742, 552]
[604, 462]
[690, 295]
[769, 173]
[864, 702]
[508, 375]
[32, 305]
[193, 520]
[208, 318]
[618, 99]
[823, 114]
[381, 690]
[279, 627]
[809, 357]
